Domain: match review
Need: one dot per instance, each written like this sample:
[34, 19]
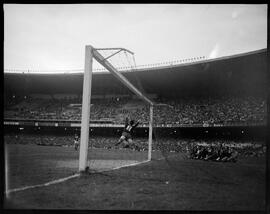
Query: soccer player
[126, 134]
[209, 152]
[193, 151]
[233, 155]
[225, 154]
[199, 151]
[76, 142]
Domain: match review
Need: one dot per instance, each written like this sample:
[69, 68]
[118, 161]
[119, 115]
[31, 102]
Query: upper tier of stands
[185, 110]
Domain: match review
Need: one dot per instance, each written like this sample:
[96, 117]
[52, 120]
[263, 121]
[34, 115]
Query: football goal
[95, 53]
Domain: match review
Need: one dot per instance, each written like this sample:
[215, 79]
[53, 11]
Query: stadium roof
[241, 72]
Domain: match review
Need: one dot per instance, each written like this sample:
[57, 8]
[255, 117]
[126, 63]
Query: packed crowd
[214, 110]
[215, 150]
[182, 111]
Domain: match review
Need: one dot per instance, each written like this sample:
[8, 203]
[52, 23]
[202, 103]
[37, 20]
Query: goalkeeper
[126, 134]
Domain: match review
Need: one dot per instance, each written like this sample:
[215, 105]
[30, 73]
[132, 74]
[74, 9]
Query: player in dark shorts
[126, 134]
[76, 142]
[233, 155]
[193, 151]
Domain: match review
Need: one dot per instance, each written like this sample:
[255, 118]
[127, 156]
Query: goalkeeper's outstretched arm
[134, 126]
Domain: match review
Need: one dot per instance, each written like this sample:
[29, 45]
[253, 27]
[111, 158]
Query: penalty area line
[43, 185]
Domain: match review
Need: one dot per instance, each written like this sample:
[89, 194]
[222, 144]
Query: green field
[175, 184]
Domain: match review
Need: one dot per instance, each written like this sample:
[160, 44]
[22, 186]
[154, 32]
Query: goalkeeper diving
[126, 134]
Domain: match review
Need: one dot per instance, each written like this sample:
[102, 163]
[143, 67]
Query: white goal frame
[91, 53]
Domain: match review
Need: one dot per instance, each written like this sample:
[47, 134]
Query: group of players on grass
[214, 153]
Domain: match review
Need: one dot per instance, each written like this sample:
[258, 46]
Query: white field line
[127, 165]
[43, 185]
[132, 164]
[69, 177]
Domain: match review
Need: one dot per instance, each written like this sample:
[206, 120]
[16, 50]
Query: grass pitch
[174, 184]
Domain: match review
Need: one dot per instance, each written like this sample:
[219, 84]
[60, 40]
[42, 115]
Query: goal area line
[127, 165]
[61, 180]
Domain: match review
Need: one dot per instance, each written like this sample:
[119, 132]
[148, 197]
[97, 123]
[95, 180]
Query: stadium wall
[227, 132]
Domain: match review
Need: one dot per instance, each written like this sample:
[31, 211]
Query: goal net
[112, 120]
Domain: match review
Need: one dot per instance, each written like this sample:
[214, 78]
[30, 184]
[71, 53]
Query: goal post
[91, 53]
[150, 133]
[86, 103]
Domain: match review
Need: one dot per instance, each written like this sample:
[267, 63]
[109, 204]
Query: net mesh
[167, 143]
[121, 59]
[114, 109]
[168, 140]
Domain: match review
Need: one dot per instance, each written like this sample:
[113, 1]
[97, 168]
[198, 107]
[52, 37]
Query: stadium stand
[226, 92]
[226, 109]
